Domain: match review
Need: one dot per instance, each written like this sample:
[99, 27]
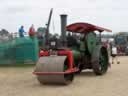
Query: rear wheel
[100, 61]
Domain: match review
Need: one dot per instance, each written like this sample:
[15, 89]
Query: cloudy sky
[111, 14]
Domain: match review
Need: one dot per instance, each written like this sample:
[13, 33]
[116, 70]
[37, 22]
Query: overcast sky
[111, 14]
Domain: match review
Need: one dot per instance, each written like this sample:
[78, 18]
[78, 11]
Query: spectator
[21, 31]
[32, 31]
[114, 55]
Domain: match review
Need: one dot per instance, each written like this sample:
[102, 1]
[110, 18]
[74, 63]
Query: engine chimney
[63, 28]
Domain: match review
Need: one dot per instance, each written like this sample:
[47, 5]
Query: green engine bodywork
[86, 46]
[91, 54]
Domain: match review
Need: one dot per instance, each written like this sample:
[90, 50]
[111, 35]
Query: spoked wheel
[100, 61]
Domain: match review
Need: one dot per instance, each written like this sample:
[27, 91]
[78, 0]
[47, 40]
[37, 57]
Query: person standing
[32, 31]
[21, 31]
[114, 55]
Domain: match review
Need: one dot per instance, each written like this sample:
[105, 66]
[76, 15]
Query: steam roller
[55, 69]
[58, 65]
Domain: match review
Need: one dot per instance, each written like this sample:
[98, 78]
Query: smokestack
[63, 28]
